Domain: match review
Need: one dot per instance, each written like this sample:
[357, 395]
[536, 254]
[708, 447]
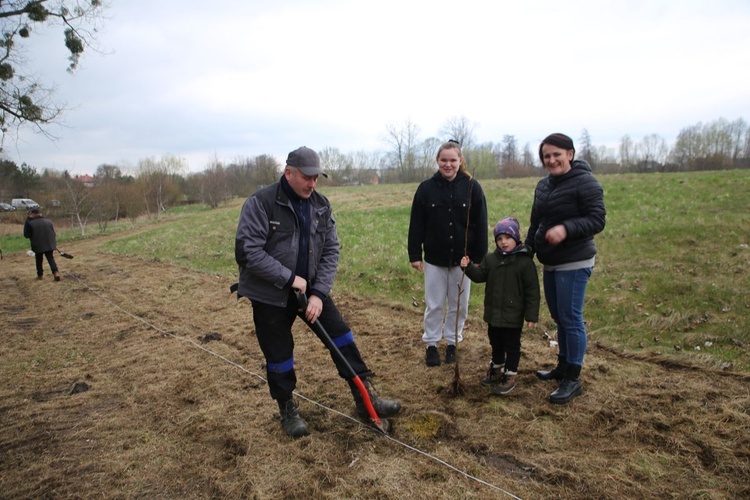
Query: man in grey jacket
[43, 238]
[286, 241]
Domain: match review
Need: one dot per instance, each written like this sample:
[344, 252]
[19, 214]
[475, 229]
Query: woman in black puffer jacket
[568, 211]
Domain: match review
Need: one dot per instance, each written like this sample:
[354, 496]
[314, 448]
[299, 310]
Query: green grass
[15, 241]
[198, 239]
[672, 271]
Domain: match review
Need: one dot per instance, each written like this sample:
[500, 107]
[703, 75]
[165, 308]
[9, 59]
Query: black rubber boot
[292, 423]
[383, 407]
[570, 386]
[557, 373]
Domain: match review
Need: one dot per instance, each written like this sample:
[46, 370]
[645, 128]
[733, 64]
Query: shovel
[322, 334]
[64, 254]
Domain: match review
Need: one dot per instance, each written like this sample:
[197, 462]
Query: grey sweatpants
[441, 296]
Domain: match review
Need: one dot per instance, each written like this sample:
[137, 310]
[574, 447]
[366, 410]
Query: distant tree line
[148, 190]
[721, 144]
[154, 185]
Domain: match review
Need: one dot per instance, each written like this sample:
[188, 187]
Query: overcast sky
[238, 78]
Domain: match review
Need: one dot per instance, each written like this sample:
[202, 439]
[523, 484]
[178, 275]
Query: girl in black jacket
[568, 211]
[442, 207]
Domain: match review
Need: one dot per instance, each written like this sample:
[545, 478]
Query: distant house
[87, 180]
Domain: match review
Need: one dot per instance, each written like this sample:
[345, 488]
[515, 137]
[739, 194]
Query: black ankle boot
[383, 407]
[557, 373]
[292, 423]
[570, 386]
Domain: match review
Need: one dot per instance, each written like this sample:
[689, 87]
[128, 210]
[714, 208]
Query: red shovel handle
[368, 403]
[321, 332]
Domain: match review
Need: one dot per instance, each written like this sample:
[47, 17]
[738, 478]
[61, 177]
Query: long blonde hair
[453, 144]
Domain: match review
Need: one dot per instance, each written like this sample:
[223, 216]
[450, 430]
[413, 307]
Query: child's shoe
[507, 384]
[494, 374]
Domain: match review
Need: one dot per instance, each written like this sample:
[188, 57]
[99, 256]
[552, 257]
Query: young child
[511, 295]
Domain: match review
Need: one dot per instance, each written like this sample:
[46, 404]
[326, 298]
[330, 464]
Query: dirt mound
[139, 379]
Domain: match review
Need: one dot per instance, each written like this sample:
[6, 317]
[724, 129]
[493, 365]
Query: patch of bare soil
[138, 379]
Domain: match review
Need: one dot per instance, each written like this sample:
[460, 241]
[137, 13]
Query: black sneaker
[450, 354]
[432, 358]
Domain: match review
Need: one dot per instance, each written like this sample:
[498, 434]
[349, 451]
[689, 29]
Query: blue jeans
[565, 292]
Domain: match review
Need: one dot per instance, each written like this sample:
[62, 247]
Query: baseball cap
[306, 160]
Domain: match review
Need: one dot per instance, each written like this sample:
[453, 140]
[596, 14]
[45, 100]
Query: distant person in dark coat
[41, 232]
[567, 212]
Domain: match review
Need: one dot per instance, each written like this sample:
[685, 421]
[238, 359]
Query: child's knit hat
[509, 226]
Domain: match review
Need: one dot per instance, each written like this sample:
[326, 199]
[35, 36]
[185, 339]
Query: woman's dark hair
[559, 140]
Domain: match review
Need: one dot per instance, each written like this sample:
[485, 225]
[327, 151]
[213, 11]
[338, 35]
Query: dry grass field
[138, 379]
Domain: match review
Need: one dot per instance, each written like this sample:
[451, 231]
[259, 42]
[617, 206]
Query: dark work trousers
[273, 327]
[50, 260]
[506, 346]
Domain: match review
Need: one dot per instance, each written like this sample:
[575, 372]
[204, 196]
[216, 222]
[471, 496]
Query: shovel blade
[64, 254]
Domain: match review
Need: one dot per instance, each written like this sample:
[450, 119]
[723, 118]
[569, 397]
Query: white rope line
[301, 396]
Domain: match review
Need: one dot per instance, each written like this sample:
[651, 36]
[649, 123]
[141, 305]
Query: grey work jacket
[267, 245]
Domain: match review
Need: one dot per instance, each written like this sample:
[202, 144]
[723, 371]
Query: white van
[24, 203]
